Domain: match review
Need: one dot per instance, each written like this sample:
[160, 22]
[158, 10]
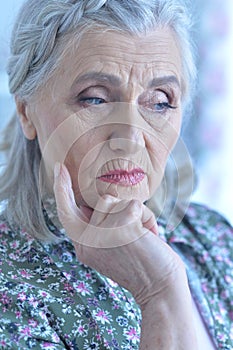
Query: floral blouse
[49, 300]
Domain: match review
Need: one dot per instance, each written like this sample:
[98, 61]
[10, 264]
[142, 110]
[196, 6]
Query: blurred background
[210, 138]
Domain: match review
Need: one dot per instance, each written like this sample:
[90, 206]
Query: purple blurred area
[213, 108]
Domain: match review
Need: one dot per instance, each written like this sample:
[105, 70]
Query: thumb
[149, 221]
[71, 217]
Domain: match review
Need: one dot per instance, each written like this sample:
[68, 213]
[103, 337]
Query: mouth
[123, 177]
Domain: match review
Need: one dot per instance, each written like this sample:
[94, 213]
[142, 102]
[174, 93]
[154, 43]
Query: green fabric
[49, 300]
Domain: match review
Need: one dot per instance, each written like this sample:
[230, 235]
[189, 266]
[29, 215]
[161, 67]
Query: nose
[126, 138]
[126, 135]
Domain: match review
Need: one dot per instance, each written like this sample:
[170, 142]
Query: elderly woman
[101, 87]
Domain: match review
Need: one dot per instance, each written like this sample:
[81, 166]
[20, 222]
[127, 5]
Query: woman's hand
[119, 239]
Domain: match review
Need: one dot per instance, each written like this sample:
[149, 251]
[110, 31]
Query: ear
[27, 125]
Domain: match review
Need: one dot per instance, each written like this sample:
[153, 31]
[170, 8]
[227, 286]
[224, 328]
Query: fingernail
[57, 169]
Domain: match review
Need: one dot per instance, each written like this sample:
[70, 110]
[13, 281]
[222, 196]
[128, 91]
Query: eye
[157, 101]
[163, 106]
[91, 101]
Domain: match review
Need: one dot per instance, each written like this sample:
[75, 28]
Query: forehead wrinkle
[124, 66]
[98, 76]
[125, 58]
[109, 44]
[122, 49]
[126, 42]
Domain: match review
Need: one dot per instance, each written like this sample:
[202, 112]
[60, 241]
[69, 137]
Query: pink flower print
[98, 336]
[68, 287]
[43, 294]
[88, 275]
[48, 346]
[219, 258]
[43, 315]
[32, 301]
[219, 318]
[5, 299]
[55, 338]
[112, 294]
[4, 227]
[18, 314]
[115, 306]
[205, 288]
[132, 335]
[32, 323]
[81, 329]
[222, 337]
[102, 316]
[4, 242]
[25, 274]
[225, 294]
[228, 279]
[112, 283]
[22, 296]
[201, 231]
[47, 260]
[3, 343]
[82, 288]
[26, 331]
[15, 244]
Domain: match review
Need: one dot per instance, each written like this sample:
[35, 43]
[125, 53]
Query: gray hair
[39, 36]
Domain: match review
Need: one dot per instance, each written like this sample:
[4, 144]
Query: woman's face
[112, 113]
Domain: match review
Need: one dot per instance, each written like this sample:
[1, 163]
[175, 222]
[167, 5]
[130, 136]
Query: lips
[123, 177]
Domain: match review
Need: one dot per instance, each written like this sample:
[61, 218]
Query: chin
[139, 192]
[90, 193]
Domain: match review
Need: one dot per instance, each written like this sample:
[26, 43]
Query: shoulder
[211, 259]
[17, 246]
[207, 222]
[210, 236]
[204, 212]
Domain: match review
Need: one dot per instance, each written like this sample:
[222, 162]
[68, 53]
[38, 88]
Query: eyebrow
[170, 79]
[99, 77]
[115, 81]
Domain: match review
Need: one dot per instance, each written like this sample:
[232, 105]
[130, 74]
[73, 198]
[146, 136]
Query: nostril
[126, 138]
[123, 144]
[114, 144]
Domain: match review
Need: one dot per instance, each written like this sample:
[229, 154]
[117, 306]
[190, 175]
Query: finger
[114, 229]
[103, 208]
[112, 212]
[87, 211]
[69, 214]
[149, 220]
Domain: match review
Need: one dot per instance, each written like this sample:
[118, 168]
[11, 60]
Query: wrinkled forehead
[103, 50]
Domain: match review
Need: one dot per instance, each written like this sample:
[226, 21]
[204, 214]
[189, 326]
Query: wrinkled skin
[114, 103]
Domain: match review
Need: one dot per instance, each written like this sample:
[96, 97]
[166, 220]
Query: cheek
[86, 155]
[44, 119]
[161, 142]
[56, 139]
